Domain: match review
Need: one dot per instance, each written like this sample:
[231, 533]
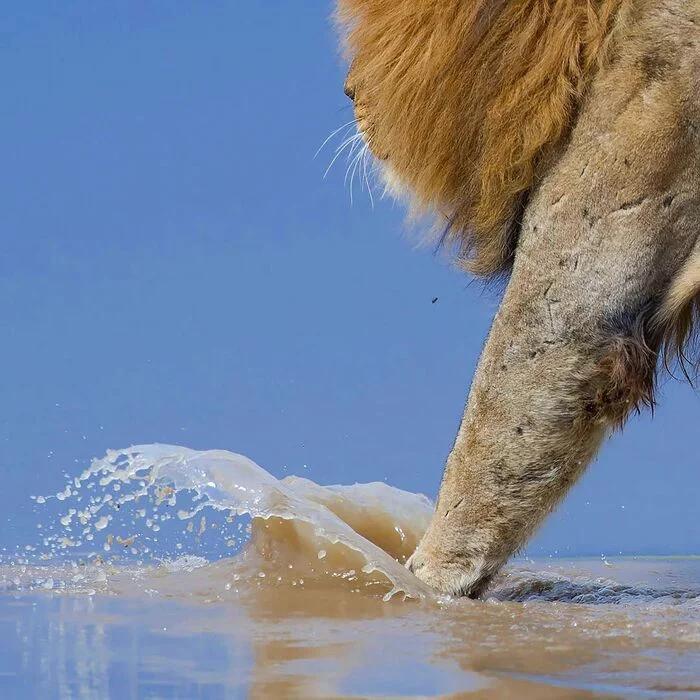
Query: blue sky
[175, 269]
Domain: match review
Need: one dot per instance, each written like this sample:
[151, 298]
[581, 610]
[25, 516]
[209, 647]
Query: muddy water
[173, 573]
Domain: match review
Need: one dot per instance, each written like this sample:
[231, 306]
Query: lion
[557, 144]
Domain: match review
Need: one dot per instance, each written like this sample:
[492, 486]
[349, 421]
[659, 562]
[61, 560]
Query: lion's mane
[470, 98]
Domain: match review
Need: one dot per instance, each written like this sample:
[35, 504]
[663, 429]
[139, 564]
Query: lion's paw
[457, 577]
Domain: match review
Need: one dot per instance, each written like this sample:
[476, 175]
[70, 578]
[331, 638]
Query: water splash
[169, 520]
[300, 572]
[360, 535]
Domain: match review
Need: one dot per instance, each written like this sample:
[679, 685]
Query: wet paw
[455, 576]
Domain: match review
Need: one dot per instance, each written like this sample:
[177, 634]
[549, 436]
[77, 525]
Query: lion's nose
[349, 89]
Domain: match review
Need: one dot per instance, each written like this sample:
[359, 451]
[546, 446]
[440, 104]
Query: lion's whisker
[333, 133]
[354, 165]
[338, 151]
[358, 161]
[356, 141]
[368, 159]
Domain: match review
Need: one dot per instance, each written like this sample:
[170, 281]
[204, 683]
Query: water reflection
[318, 642]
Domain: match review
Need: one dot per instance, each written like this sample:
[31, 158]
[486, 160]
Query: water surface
[175, 573]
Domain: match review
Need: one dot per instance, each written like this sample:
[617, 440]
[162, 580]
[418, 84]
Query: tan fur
[677, 316]
[468, 95]
[566, 136]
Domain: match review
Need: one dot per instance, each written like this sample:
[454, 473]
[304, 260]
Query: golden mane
[467, 97]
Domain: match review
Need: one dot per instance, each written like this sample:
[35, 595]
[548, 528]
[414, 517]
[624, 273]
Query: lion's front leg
[573, 349]
[538, 409]
[566, 359]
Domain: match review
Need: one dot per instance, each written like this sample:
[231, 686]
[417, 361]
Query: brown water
[317, 603]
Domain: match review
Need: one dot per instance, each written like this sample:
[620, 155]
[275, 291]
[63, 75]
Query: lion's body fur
[562, 141]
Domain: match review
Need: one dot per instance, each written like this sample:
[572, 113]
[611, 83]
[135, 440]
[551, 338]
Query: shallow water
[174, 573]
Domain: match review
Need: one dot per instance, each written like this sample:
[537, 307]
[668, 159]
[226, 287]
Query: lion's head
[462, 109]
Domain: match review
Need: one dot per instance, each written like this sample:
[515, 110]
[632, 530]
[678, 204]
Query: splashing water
[288, 532]
[302, 571]
[173, 520]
